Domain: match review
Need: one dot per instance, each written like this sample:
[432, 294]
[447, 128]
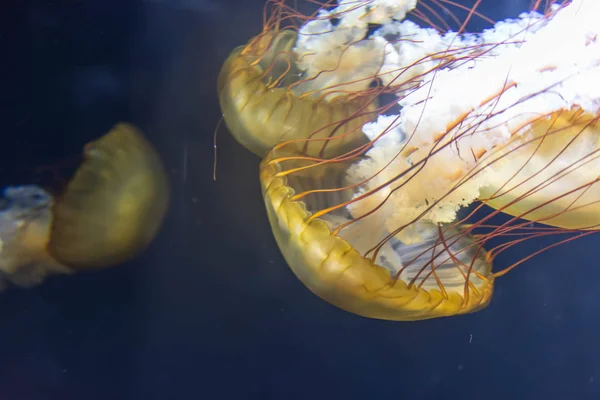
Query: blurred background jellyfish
[109, 212]
[385, 208]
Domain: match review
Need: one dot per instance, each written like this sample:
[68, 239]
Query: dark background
[211, 311]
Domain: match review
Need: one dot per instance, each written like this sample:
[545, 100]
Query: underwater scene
[300, 199]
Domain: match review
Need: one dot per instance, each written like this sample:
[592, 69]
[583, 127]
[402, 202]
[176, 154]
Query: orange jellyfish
[109, 212]
[385, 222]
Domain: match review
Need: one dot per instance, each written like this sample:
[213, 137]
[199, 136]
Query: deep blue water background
[211, 311]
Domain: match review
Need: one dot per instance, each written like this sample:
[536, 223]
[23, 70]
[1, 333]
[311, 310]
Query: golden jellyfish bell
[445, 273]
[265, 100]
[114, 205]
[551, 175]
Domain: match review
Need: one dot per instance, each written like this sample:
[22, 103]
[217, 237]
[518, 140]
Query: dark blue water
[211, 311]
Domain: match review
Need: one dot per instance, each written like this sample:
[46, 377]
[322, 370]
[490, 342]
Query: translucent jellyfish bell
[445, 272]
[114, 205]
[552, 176]
[266, 99]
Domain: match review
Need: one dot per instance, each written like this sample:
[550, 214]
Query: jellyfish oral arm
[25, 218]
[538, 68]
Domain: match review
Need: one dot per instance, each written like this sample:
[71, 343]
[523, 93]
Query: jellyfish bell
[336, 267]
[114, 205]
[552, 176]
[109, 212]
[266, 98]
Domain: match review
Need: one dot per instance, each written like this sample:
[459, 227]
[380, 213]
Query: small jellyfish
[266, 99]
[109, 212]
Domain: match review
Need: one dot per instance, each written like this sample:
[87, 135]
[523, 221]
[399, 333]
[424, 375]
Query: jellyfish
[264, 99]
[397, 225]
[109, 212]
